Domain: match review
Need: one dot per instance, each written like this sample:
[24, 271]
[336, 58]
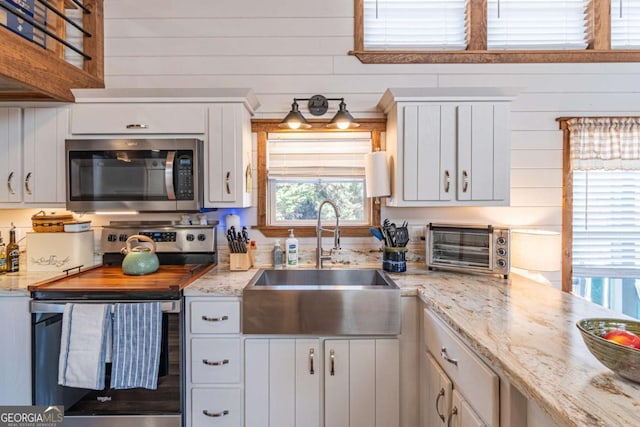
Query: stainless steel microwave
[144, 175]
[470, 248]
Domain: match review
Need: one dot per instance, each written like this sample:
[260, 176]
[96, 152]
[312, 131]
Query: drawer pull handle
[9, 187]
[465, 181]
[445, 356]
[216, 363]
[447, 183]
[26, 184]
[137, 126]
[454, 411]
[214, 319]
[332, 357]
[215, 414]
[440, 396]
[227, 182]
[311, 354]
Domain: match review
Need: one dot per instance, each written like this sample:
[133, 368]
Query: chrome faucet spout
[320, 255]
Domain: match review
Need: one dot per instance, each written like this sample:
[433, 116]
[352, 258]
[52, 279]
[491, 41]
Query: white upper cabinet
[11, 161]
[33, 139]
[448, 147]
[229, 173]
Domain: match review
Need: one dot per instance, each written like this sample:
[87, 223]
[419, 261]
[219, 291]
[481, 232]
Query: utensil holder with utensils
[394, 250]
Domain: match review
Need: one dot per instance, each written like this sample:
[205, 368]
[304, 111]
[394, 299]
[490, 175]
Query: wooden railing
[48, 47]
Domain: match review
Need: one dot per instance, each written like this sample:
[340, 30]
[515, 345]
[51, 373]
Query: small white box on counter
[59, 251]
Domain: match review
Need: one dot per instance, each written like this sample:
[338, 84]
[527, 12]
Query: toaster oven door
[467, 248]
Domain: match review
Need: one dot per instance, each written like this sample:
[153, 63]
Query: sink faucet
[320, 254]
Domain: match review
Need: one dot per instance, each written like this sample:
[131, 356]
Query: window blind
[537, 24]
[415, 24]
[625, 24]
[303, 155]
[606, 223]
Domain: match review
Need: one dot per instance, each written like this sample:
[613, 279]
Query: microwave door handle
[168, 175]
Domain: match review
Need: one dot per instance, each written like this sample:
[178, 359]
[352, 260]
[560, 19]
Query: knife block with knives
[241, 249]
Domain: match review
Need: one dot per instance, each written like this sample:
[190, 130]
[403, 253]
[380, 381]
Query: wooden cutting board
[111, 278]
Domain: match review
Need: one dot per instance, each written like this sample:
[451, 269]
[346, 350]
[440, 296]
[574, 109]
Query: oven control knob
[201, 237]
[112, 238]
[501, 263]
[122, 238]
[501, 251]
[190, 237]
[501, 240]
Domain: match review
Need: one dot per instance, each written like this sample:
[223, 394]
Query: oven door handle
[168, 175]
[58, 306]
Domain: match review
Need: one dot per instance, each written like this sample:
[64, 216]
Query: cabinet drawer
[216, 407]
[470, 375]
[137, 119]
[215, 317]
[215, 360]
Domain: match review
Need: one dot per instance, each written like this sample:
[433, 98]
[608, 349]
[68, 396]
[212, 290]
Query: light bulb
[343, 125]
[294, 125]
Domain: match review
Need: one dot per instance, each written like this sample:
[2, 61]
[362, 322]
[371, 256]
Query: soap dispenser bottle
[3, 257]
[278, 256]
[291, 247]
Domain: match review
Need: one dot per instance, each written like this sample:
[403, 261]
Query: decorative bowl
[623, 360]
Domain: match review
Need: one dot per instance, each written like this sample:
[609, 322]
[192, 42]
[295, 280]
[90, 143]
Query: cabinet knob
[137, 126]
[227, 182]
[440, 396]
[215, 414]
[9, 186]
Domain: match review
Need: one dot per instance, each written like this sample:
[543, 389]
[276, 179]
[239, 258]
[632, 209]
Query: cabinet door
[15, 357]
[429, 152]
[11, 162]
[462, 415]
[229, 182]
[362, 383]
[438, 395]
[483, 152]
[137, 118]
[280, 384]
[45, 130]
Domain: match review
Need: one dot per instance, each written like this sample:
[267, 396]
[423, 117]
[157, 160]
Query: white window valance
[605, 143]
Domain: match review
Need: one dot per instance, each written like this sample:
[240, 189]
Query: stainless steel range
[185, 252]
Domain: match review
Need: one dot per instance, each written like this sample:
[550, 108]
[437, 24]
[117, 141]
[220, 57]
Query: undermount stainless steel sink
[321, 302]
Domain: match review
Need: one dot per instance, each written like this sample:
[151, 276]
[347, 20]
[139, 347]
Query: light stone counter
[15, 284]
[524, 329]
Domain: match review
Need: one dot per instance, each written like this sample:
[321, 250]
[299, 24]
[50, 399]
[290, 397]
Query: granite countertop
[524, 329]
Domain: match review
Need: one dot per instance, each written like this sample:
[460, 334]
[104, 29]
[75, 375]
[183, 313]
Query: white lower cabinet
[460, 390]
[15, 357]
[216, 407]
[213, 374]
[354, 383]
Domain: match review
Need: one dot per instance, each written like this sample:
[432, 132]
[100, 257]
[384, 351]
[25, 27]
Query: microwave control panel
[184, 176]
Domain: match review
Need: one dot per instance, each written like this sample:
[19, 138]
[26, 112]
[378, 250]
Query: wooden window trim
[262, 127]
[598, 50]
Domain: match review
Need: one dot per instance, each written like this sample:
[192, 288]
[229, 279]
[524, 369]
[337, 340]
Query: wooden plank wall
[299, 48]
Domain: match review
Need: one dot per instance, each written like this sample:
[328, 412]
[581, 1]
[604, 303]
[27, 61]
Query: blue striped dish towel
[86, 333]
[137, 337]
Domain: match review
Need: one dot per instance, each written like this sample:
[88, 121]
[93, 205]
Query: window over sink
[298, 169]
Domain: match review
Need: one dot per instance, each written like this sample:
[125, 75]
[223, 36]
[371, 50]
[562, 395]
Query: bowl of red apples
[615, 343]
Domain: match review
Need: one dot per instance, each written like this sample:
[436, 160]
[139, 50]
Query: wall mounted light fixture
[318, 105]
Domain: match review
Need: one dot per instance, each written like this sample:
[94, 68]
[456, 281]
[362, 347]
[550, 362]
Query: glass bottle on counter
[13, 252]
[3, 257]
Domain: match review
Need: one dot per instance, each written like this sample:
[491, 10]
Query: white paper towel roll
[232, 220]
[377, 174]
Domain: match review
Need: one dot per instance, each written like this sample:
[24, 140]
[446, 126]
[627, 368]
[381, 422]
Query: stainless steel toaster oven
[470, 248]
